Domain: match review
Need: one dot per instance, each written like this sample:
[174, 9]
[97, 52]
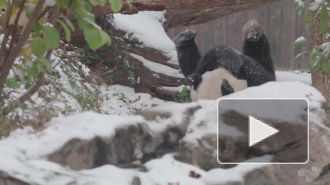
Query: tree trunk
[186, 12]
[319, 80]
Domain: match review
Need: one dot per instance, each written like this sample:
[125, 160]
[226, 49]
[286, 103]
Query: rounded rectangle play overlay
[255, 130]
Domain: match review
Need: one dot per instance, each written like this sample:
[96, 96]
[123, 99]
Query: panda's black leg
[188, 52]
[256, 46]
[254, 73]
[220, 56]
[226, 88]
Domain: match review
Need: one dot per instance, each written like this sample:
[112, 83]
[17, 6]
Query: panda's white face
[209, 88]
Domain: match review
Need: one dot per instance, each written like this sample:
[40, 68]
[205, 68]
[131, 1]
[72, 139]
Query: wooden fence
[280, 21]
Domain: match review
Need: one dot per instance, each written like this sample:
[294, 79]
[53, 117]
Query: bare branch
[18, 15]
[25, 96]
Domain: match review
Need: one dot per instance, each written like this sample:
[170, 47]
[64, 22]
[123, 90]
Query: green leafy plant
[319, 56]
[183, 96]
[30, 34]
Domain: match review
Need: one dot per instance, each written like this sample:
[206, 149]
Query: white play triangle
[259, 131]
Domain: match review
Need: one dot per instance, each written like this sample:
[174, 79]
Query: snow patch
[147, 27]
[158, 68]
[287, 76]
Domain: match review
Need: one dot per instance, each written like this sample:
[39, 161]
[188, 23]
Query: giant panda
[223, 70]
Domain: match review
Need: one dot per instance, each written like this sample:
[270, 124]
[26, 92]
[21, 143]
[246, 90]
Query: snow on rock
[283, 90]
[147, 27]
[35, 144]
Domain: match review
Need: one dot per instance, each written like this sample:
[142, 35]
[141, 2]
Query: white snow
[296, 76]
[158, 68]
[121, 100]
[326, 49]
[174, 89]
[300, 3]
[300, 39]
[147, 27]
[316, 4]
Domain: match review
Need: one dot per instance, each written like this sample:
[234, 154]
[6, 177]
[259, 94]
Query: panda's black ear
[194, 80]
[226, 88]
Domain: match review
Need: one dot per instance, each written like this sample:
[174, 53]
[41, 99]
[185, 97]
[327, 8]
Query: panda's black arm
[226, 88]
[188, 52]
[220, 56]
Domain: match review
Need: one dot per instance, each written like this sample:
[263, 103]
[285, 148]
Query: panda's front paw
[183, 38]
[194, 80]
[252, 31]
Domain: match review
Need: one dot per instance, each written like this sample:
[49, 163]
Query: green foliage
[32, 72]
[319, 56]
[62, 3]
[183, 96]
[52, 37]
[67, 30]
[309, 16]
[323, 25]
[116, 5]
[39, 47]
[12, 83]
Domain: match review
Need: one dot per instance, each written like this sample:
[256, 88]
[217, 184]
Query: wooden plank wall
[280, 21]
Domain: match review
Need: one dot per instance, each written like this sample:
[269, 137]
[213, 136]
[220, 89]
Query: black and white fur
[216, 83]
[222, 70]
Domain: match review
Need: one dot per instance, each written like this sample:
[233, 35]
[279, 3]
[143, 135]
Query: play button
[259, 131]
[271, 131]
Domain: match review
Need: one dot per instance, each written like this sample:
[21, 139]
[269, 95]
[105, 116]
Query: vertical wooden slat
[276, 31]
[234, 28]
[220, 34]
[288, 34]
